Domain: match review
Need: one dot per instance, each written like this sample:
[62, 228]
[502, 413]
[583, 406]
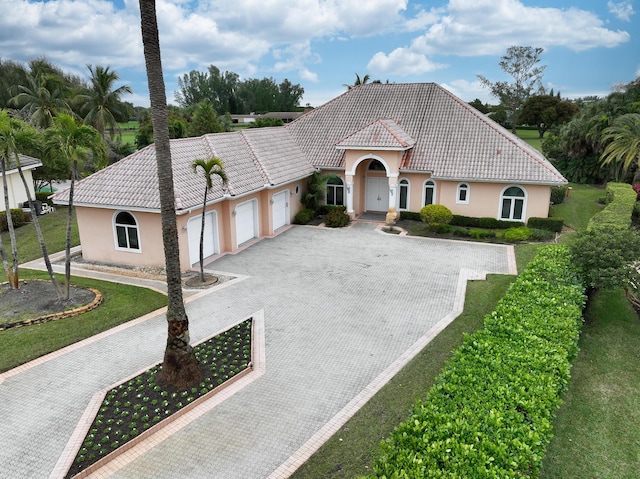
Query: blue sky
[590, 45]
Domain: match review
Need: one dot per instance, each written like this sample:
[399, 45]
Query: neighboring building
[17, 192]
[391, 145]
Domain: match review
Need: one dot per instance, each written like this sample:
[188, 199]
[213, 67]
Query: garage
[246, 221]
[211, 246]
[280, 209]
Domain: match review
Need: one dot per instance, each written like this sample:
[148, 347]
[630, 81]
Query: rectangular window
[133, 238]
[339, 196]
[463, 195]
[122, 237]
[506, 209]
[403, 197]
[428, 197]
[331, 197]
[517, 209]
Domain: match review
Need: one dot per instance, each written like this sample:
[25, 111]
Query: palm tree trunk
[180, 368]
[204, 204]
[12, 272]
[36, 224]
[67, 246]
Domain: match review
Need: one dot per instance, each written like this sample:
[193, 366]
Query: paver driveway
[340, 307]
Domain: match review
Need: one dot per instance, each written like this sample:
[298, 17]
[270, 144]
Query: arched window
[512, 204]
[375, 165]
[403, 199]
[126, 231]
[462, 195]
[335, 192]
[429, 193]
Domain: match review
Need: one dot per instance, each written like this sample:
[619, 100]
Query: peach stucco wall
[98, 241]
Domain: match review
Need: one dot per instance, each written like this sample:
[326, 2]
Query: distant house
[396, 146]
[17, 192]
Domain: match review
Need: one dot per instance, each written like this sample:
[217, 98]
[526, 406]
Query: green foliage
[460, 231]
[44, 197]
[514, 235]
[266, 122]
[538, 234]
[489, 414]
[316, 190]
[485, 222]
[337, 217]
[558, 194]
[204, 120]
[410, 215]
[545, 111]
[621, 200]
[303, 216]
[606, 256]
[18, 218]
[435, 215]
[551, 224]
[481, 233]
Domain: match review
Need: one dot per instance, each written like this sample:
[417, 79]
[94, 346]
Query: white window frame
[513, 203]
[467, 189]
[406, 185]
[117, 225]
[335, 187]
[424, 191]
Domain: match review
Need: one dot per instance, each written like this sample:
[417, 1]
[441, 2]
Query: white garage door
[210, 237]
[246, 222]
[280, 209]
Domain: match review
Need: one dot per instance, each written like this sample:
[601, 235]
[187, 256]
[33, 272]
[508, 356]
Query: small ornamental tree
[435, 215]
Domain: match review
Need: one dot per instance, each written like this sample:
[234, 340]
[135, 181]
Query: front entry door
[377, 194]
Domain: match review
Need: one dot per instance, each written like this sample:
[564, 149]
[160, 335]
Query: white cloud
[308, 75]
[622, 10]
[469, 91]
[488, 27]
[401, 62]
[423, 19]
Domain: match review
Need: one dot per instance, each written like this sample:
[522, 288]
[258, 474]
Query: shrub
[18, 218]
[459, 231]
[513, 235]
[480, 234]
[444, 229]
[410, 215]
[621, 200]
[44, 197]
[435, 215]
[485, 222]
[303, 216]
[541, 234]
[551, 224]
[558, 194]
[337, 218]
[490, 411]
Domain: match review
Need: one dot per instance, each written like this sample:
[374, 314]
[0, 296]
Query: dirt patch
[36, 301]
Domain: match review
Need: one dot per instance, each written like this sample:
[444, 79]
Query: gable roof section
[132, 182]
[382, 134]
[452, 140]
[26, 162]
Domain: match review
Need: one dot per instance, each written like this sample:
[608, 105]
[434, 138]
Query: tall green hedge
[621, 200]
[489, 414]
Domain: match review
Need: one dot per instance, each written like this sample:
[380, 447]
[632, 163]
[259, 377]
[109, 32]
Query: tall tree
[102, 104]
[70, 141]
[180, 367]
[204, 120]
[545, 111]
[43, 97]
[210, 168]
[359, 81]
[623, 142]
[521, 63]
[16, 137]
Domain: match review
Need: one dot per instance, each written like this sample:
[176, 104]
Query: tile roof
[26, 162]
[132, 182]
[452, 139]
[381, 134]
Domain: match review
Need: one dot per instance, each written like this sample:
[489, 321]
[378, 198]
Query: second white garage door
[246, 221]
[210, 237]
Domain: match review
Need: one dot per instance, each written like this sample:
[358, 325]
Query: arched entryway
[376, 187]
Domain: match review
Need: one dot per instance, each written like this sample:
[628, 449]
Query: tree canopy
[545, 111]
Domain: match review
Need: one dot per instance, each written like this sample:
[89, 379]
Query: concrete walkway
[343, 311]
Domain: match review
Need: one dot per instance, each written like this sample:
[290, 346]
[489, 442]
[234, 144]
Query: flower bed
[135, 406]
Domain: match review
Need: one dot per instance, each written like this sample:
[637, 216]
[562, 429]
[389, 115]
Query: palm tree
[16, 136]
[69, 141]
[211, 167]
[623, 142]
[12, 272]
[102, 105]
[41, 99]
[180, 367]
[359, 81]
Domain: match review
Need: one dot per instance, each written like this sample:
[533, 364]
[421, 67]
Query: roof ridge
[383, 121]
[507, 135]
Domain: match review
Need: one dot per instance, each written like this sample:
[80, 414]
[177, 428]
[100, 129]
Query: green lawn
[530, 136]
[122, 303]
[578, 209]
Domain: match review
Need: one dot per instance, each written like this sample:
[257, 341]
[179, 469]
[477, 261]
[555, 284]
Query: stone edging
[97, 301]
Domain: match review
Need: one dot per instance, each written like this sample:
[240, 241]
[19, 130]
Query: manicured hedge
[18, 218]
[621, 200]
[489, 414]
[551, 224]
[485, 222]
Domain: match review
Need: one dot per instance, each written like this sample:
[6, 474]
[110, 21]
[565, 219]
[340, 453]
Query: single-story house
[15, 187]
[396, 146]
